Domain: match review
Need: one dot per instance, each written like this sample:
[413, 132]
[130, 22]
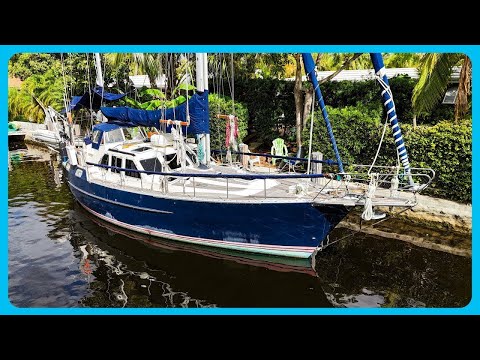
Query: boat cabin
[130, 148]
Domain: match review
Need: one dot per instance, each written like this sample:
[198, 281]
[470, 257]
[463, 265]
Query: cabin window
[114, 136]
[96, 136]
[152, 164]
[104, 160]
[117, 162]
[133, 133]
[129, 164]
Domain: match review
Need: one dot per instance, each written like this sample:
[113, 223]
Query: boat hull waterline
[293, 229]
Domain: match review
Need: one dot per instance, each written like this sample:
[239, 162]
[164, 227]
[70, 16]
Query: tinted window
[129, 164]
[116, 161]
[152, 164]
[104, 160]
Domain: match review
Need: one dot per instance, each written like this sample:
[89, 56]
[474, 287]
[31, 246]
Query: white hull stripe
[293, 251]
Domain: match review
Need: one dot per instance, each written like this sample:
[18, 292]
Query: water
[61, 257]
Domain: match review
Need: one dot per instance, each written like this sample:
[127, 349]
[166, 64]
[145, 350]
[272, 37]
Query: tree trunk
[464, 89]
[307, 108]
[298, 94]
[414, 122]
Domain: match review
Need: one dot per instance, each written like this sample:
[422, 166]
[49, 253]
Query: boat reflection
[277, 263]
[128, 269]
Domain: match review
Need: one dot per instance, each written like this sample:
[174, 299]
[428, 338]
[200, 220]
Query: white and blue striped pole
[389, 105]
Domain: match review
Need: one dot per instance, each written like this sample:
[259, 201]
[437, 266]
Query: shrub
[445, 147]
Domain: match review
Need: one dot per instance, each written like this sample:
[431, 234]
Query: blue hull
[293, 229]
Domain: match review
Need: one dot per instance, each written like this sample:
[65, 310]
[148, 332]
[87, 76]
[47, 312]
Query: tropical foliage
[435, 72]
[445, 147]
[47, 89]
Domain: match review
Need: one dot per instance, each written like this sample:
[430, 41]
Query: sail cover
[97, 94]
[197, 107]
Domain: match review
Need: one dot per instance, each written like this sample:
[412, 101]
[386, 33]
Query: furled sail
[197, 108]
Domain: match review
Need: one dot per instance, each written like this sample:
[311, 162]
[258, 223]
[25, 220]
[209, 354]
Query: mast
[205, 88]
[202, 86]
[312, 75]
[98, 67]
[389, 105]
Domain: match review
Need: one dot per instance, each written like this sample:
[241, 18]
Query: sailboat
[168, 185]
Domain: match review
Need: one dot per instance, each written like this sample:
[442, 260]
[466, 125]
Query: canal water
[59, 256]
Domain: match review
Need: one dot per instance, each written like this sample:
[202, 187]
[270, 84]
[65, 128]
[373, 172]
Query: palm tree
[435, 72]
[47, 88]
[148, 63]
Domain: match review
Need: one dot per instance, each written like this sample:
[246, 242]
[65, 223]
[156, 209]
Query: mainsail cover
[96, 96]
[197, 107]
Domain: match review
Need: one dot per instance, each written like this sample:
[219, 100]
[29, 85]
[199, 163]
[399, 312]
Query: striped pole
[389, 105]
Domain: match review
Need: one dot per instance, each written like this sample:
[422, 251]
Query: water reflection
[158, 268]
[61, 256]
[368, 271]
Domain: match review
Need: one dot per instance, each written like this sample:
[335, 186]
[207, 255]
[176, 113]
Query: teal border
[6, 51]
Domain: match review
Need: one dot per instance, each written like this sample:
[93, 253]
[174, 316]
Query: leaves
[435, 71]
[445, 147]
[155, 93]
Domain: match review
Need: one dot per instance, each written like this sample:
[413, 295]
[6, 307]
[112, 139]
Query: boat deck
[319, 190]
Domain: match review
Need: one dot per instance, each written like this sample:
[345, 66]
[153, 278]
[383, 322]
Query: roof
[140, 81]
[14, 82]
[368, 74]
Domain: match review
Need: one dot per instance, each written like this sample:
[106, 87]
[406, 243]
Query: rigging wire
[89, 91]
[389, 91]
[64, 83]
[103, 85]
[311, 134]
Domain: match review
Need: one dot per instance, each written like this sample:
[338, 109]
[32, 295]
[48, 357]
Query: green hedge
[223, 105]
[268, 99]
[445, 147]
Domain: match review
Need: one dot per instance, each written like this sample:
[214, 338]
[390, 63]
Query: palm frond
[117, 59]
[435, 71]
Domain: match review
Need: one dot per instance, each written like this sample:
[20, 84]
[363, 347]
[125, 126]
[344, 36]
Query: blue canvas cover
[78, 101]
[197, 106]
